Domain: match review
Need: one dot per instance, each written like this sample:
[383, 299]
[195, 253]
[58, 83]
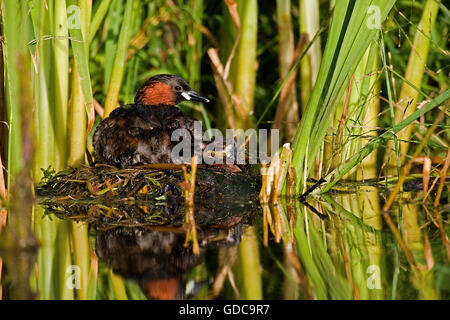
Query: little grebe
[140, 133]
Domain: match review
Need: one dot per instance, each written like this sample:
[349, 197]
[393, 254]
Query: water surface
[338, 246]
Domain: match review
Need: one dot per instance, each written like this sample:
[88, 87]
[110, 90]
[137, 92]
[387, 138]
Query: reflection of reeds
[249, 266]
[417, 242]
[189, 193]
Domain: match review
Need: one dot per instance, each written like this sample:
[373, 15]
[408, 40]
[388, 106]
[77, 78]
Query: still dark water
[338, 246]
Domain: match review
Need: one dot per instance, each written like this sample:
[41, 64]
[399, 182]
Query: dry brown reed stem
[93, 270]
[3, 212]
[99, 108]
[226, 259]
[405, 171]
[219, 281]
[444, 236]
[1, 291]
[138, 42]
[433, 220]
[444, 172]
[427, 251]
[233, 106]
[291, 181]
[263, 198]
[230, 99]
[263, 195]
[277, 227]
[275, 191]
[189, 192]
[287, 108]
[272, 209]
[266, 215]
[408, 254]
[291, 201]
[349, 274]
[275, 176]
[285, 92]
[225, 272]
[274, 180]
[221, 85]
[167, 166]
[208, 34]
[437, 215]
[347, 99]
[426, 172]
[233, 10]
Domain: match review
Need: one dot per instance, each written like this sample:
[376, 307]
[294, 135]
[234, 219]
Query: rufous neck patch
[156, 93]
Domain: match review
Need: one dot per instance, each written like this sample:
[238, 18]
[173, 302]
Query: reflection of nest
[108, 197]
[111, 215]
[147, 214]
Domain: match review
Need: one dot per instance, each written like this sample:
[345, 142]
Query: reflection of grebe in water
[159, 260]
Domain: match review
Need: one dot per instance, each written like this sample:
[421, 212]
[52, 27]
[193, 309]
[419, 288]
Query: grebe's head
[166, 89]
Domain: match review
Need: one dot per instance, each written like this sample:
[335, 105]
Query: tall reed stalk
[368, 166]
[40, 15]
[309, 66]
[245, 76]
[81, 92]
[61, 82]
[287, 109]
[14, 19]
[409, 95]
[241, 73]
[118, 68]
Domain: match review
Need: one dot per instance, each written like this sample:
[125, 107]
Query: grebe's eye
[178, 88]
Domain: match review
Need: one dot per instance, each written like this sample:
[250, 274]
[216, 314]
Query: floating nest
[151, 195]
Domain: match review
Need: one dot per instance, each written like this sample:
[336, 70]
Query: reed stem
[118, 69]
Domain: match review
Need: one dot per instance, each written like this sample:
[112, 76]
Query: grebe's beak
[194, 96]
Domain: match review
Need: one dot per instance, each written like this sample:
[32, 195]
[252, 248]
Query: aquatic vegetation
[354, 205]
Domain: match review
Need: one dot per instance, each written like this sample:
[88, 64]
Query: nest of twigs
[146, 196]
[108, 182]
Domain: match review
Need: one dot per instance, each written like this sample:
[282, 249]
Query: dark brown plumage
[140, 133]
